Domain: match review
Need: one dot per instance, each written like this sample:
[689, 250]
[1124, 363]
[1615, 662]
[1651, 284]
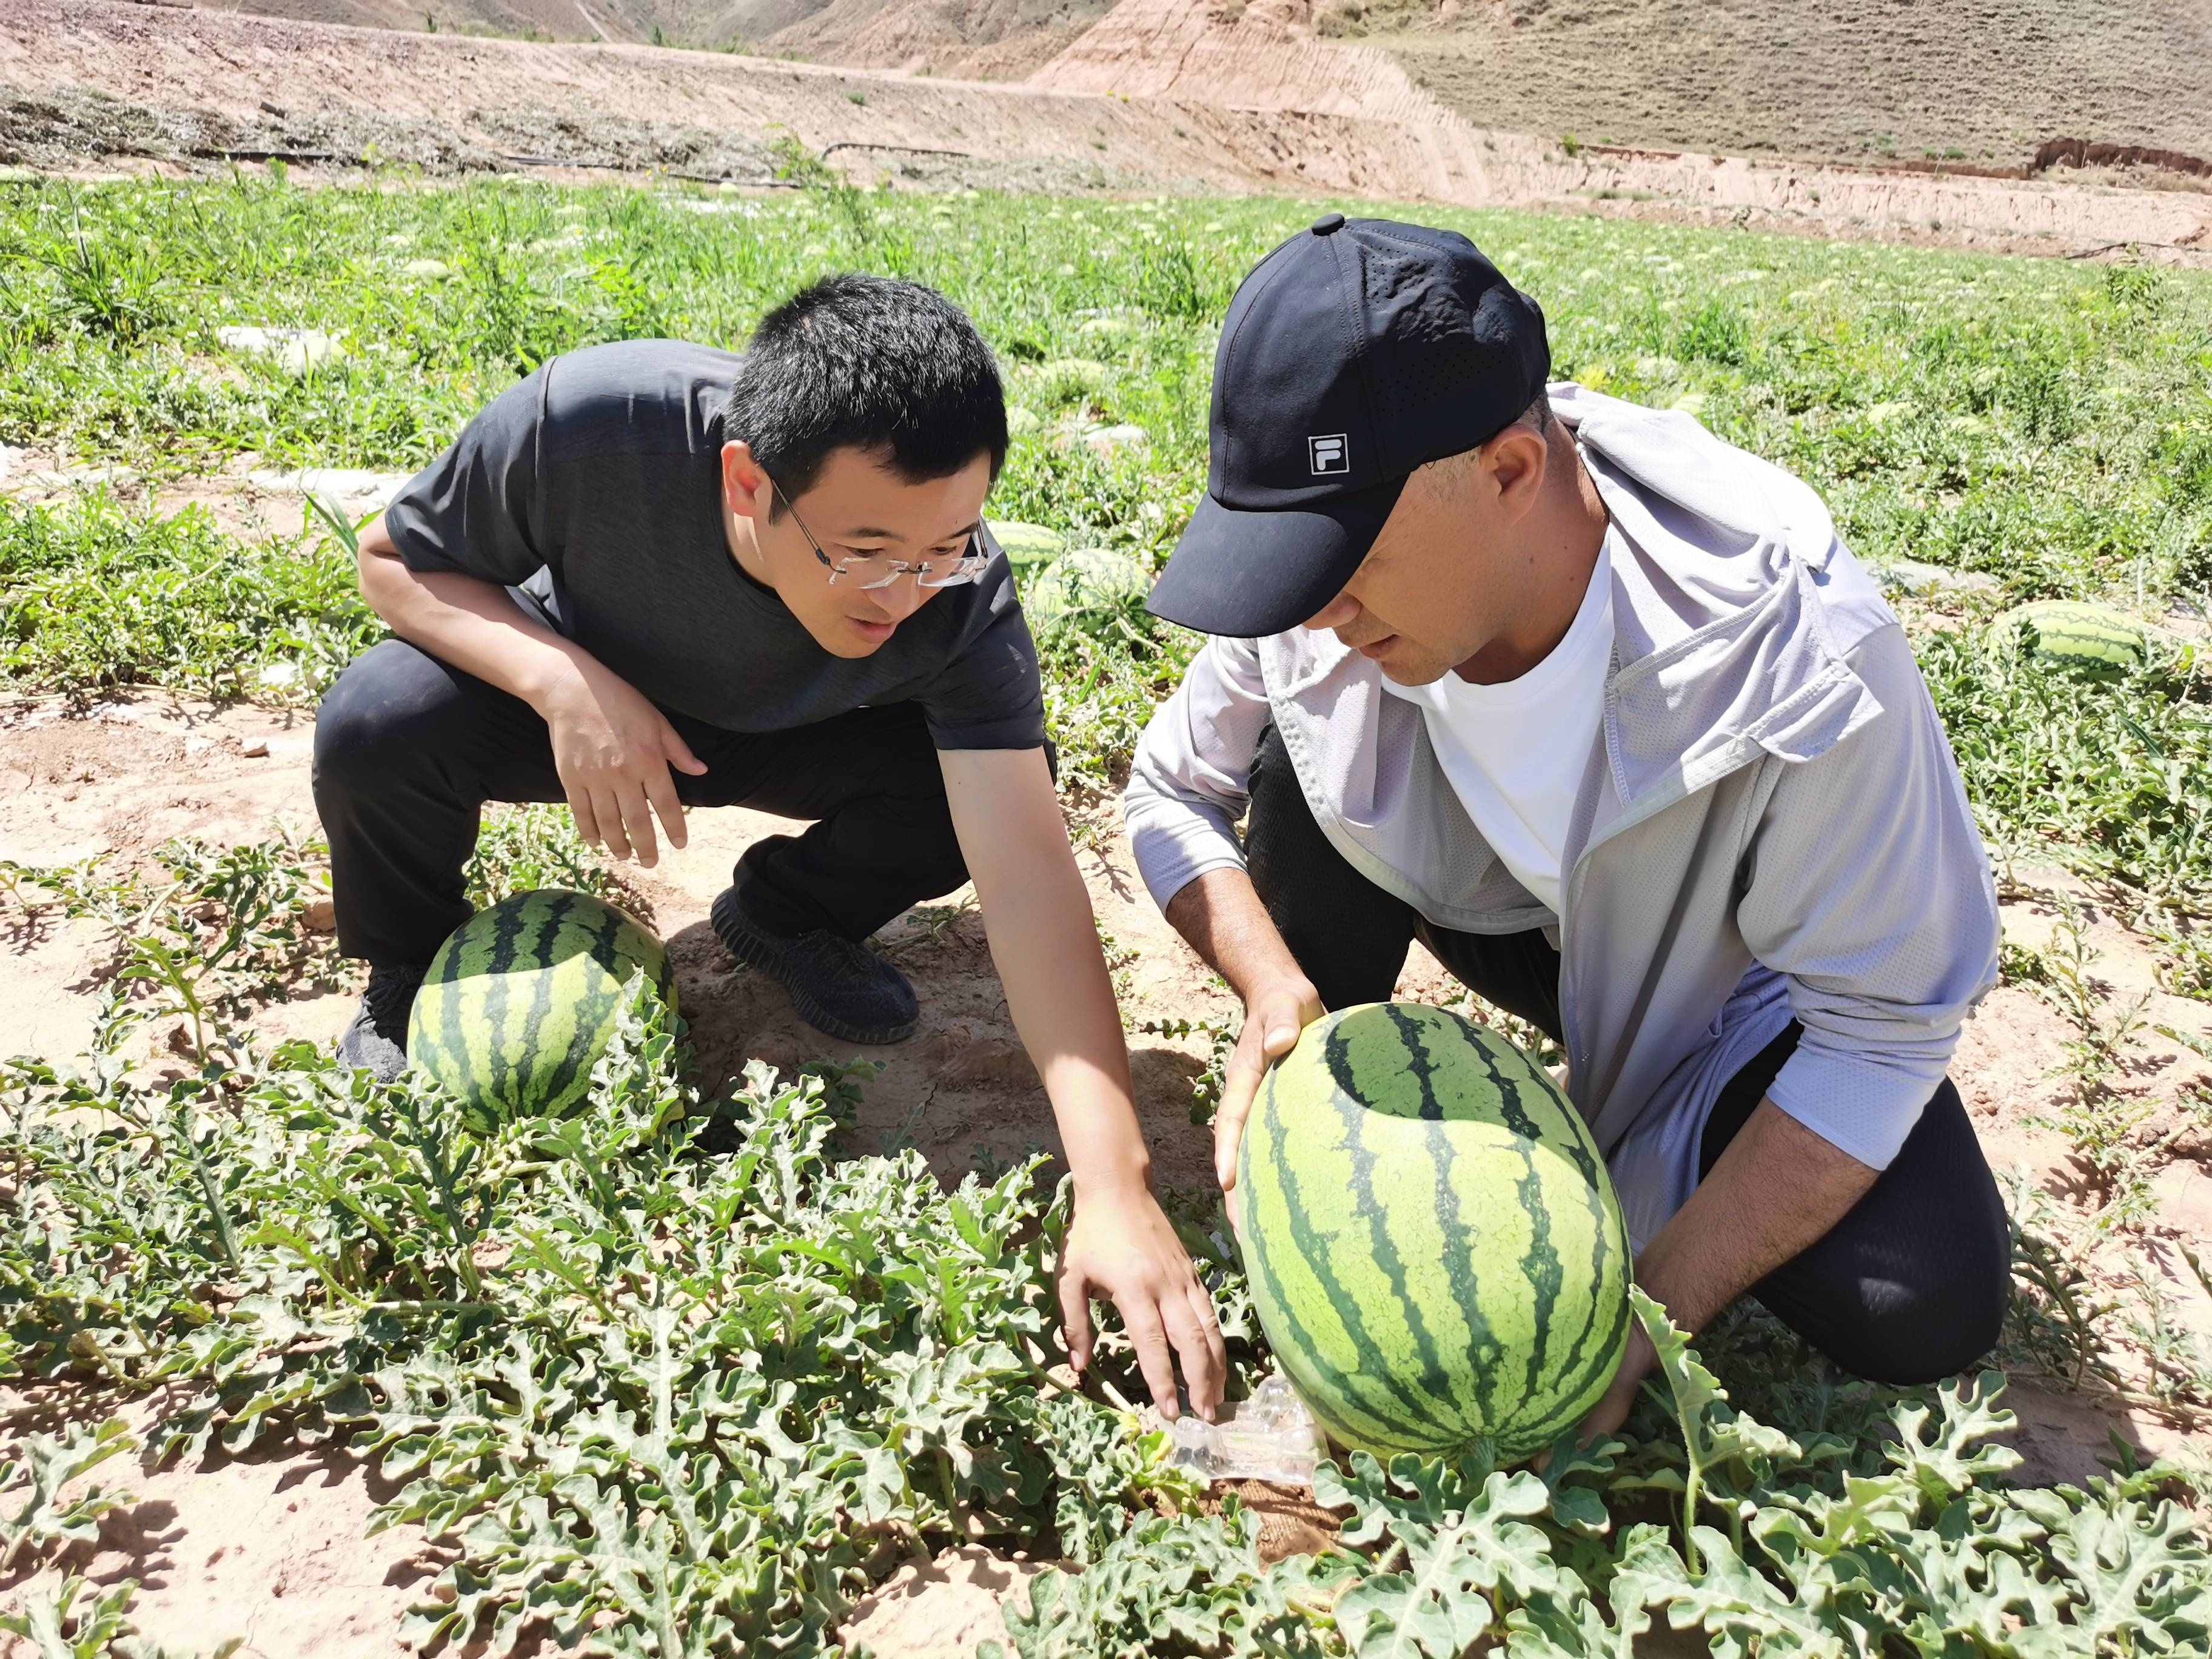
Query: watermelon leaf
[1945, 1462]
[1455, 1539]
[1729, 1455]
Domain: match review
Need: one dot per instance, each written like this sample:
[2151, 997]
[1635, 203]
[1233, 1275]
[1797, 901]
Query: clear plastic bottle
[1271, 1436]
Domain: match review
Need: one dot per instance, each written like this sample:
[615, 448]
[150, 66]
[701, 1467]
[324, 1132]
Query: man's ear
[1517, 460]
[745, 488]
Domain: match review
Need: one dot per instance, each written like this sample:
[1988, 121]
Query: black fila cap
[1354, 353]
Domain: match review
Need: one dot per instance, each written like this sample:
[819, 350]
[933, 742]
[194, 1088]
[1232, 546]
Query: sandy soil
[269, 1547]
[1159, 94]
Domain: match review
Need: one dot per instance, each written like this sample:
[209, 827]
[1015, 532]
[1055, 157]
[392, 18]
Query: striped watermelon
[1435, 1249]
[1084, 580]
[520, 1000]
[1026, 544]
[2093, 639]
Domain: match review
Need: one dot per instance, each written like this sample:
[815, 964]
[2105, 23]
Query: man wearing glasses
[654, 574]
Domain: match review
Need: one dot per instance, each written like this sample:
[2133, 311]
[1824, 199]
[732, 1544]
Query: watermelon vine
[669, 1378]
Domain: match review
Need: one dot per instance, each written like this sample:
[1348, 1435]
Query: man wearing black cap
[1600, 709]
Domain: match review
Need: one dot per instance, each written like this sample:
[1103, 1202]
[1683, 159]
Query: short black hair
[872, 363]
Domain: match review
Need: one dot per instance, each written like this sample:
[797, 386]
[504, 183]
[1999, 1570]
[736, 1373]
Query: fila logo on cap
[1328, 454]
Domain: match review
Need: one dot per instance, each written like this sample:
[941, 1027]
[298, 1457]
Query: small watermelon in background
[1083, 580]
[1435, 1249]
[521, 998]
[2091, 639]
[1026, 544]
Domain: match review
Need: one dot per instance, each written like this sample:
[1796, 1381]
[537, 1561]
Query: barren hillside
[1976, 80]
[1982, 81]
[991, 40]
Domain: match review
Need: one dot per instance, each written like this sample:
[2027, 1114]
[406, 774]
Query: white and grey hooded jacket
[1771, 823]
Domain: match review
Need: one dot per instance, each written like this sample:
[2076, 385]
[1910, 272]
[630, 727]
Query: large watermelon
[1435, 1249]
[2091, 639]
[521, 998]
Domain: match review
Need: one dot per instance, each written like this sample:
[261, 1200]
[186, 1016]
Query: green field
[673, 1373]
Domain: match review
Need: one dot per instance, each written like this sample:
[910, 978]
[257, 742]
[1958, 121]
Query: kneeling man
[1600, 709]
[654, 575]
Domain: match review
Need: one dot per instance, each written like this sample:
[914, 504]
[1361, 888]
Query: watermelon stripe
[1401, 1406]
[573, 1018]
[1578, 1390]
[1435, 1372]
[1571, 1140]
[592, 1013]
[1484, 1347]
[1540, 1267]
[1416, 1060]
[543, 1050]
[1328, 1389]
[1608, 1251]
[491, 1063]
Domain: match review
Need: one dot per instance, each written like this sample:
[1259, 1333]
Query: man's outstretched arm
[1220, 913]
[1777, 1190]
[1045, 943]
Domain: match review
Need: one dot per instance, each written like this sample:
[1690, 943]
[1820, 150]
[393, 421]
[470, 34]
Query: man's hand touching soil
[1122, 1246]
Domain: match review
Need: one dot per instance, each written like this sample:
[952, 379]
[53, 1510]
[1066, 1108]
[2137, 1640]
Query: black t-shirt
[593, 490]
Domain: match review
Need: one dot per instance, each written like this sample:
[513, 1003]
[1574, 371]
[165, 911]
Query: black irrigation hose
[904, 149]
[301, 155]
[307, 157]
[623, 166]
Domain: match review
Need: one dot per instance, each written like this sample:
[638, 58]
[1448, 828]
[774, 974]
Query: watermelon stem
[209, 1188]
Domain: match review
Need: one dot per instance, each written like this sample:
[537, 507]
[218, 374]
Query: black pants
[407, 749]
[1910, 1286]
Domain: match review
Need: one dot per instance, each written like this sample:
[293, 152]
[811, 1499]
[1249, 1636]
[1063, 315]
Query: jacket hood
[1734, 606]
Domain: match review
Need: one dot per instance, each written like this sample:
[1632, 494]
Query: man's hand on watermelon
[1221, 915]
[1045, 942]
[1778, 1188]
[1274, 1013]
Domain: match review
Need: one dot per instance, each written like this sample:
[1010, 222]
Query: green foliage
[1178, 1585]
[214, 931]
[671, 1377]
[2042, 422]
[1900, 1541]
[670, 1372]
[95, 597]
[683, 1397]
[521, 849]
[33, 1513]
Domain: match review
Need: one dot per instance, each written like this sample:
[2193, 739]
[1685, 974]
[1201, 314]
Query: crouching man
[654, 575]
[1600, 709]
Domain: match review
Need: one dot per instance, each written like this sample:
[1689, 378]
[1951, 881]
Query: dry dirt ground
[269, 1548]
[1158, 94]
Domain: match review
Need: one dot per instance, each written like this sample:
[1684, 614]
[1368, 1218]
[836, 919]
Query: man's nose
[1340, 613]
[899, 600]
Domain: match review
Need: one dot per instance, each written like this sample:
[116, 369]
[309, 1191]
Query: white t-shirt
[1515, 752]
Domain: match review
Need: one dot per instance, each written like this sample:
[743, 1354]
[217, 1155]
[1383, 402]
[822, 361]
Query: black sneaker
[377, 1039]
[836, 986]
